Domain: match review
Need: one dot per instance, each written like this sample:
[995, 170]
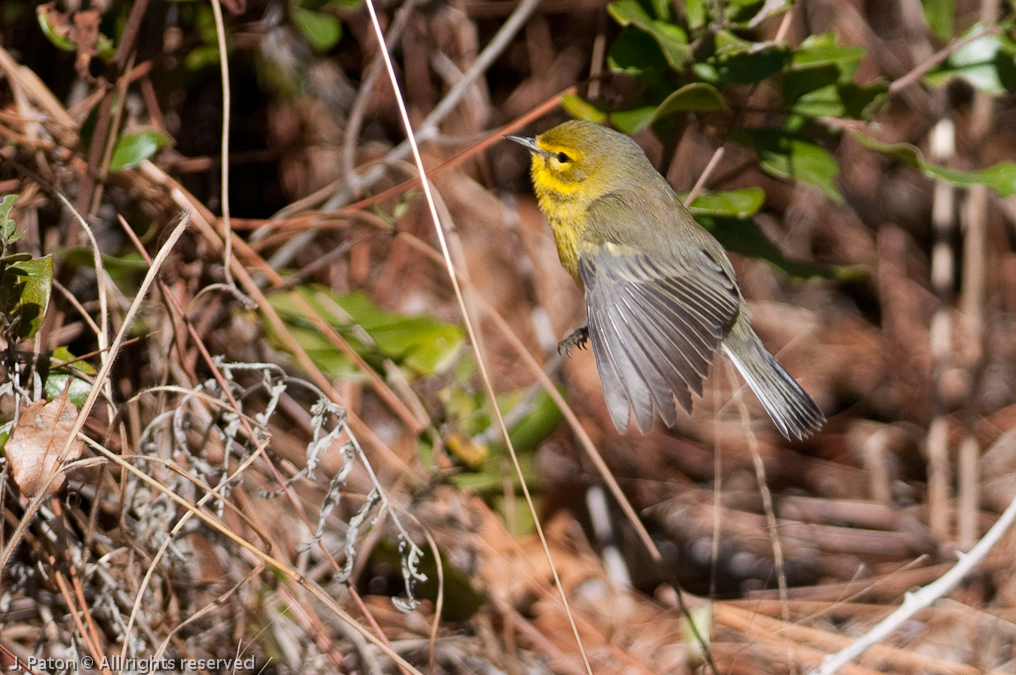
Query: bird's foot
[577, 338]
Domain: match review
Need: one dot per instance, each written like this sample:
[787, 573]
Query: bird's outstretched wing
[655, 323]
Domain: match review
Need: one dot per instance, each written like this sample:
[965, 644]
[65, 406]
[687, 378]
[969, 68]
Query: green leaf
[809, 163]
[202, 56]
[627, 12]
[105, 48]
[132, 149]
[741, 62]
[661, 9]
[1000, 177]
[634, 120]
[420, 344]
[77, 389]
[939, 14]
[800, 81]
[672, 41]
[323, 31]
[126, 270]
[461, 600]
[743, 236]
[822, 49]
[491, 477]
[635, 51]
[56, 36]
[824, 102]
[580, 108]
[27, 286]
[59, 35]
[752, 12]
[862, 101]
[696, 13]
[784, 155]
[534, 428]
[987, 63]
[7, 226]
[695, 97]
[83, 257]
[735, 203]
[70, 376]
[820, 80]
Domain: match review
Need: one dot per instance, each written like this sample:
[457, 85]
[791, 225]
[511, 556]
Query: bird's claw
[577, 338]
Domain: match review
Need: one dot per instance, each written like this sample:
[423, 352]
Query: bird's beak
[527, 142]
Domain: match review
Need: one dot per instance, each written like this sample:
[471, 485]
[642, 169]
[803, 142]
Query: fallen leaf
[36, 443]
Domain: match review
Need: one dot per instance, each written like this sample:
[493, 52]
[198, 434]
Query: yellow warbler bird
[660, 292]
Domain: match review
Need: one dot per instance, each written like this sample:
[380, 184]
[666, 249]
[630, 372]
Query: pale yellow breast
[567, 229]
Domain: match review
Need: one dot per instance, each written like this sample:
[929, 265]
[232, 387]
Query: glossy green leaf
[26, 289]
[862, 101]
[671, 40]
[939, 15]
[674, 43]
[1000, 177]
[69, 377]
[820, 81]
[633, 52]
[695, 97]
[735, 203]
[809, 163]
[824, 102]
[822, 49]
[743, 236]
[634, 120]
[798, 82]
[848, 100]
[580, 108]
[753, 12]
[784, 155]
[988, 63]
[420, 344]
[132, 149]
[323, 31]
[741, 62]
[627, 12]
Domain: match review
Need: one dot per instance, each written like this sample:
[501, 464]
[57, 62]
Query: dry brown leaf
[85, 34]
[36, 443]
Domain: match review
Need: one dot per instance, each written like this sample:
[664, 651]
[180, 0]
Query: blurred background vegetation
[315, 391]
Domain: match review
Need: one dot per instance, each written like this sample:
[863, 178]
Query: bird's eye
[563, 157]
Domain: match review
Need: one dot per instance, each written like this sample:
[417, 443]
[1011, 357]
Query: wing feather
[613, 360]
[651, 367]
[679, 361]
[654, 327]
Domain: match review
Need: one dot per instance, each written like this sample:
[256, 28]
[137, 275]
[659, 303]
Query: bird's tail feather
[791, 409]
